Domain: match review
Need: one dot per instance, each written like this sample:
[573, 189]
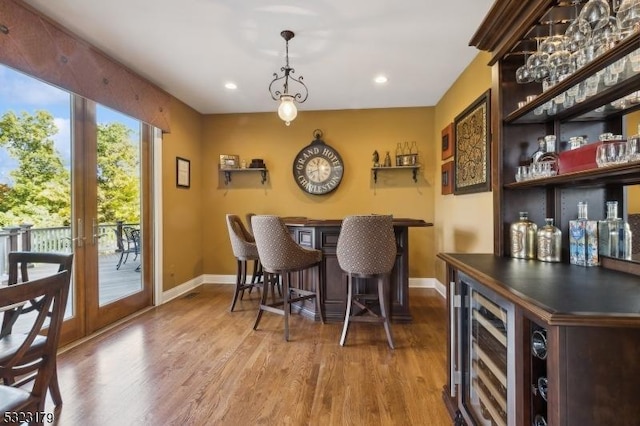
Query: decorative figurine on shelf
[387, 160]
[376, 159]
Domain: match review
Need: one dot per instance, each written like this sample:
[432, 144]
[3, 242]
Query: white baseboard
[413, 282]
[427, 283]
[182, 289]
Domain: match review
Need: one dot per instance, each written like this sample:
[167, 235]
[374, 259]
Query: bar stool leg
[244, 278]
[383, 308]
[347, 314]
[286, 306]
[319, 303]
[239, 283]
[267, 283]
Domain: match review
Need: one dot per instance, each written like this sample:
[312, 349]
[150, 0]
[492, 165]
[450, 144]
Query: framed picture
[472, 129]
[447, 178]
[229, 161]
[183, 172]
[447, 142]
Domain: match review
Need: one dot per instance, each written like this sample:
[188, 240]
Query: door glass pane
[119, 200]
[35, 171]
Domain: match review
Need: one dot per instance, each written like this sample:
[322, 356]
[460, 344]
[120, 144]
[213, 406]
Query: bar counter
[322, 234]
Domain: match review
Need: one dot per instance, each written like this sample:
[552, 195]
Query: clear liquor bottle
[542, 149]
[608, 232]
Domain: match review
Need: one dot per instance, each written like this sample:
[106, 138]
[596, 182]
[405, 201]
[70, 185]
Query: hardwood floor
[192, 362]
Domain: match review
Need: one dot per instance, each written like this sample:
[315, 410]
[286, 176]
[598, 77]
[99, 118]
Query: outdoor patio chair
[128, 243]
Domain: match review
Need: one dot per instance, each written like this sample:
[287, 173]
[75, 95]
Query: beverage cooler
[483, 349]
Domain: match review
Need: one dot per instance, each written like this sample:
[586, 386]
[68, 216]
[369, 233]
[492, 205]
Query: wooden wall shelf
[414, 168]
[228, 172]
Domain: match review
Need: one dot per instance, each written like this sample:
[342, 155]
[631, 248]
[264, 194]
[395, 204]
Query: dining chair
[366, 249]
[19, 264]
[281, 256]
[244, 249]
[33, 353]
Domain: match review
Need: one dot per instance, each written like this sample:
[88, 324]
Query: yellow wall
[195, 235]
[182, 208]
[463, 223]
[355, 134]
[633, 191]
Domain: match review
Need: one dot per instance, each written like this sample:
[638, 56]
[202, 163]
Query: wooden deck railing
[57, 239]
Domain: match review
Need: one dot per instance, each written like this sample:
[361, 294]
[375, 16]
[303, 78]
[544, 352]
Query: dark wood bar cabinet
[322, 234]
[536, 343]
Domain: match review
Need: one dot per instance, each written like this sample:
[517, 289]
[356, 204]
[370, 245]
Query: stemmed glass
[538, 64]
[605, 35]
[578, 36]
[523, 74]
[629, 17]
[595, 11]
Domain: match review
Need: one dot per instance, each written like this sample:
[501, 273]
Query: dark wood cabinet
[590, 317]
[323, 235]
[591, 322]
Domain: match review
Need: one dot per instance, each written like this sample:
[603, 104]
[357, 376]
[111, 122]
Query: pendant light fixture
[279, 87]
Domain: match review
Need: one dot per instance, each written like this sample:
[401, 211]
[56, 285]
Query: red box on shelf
[575, 160]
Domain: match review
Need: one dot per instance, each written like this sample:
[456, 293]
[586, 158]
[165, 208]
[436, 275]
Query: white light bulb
[287, 110]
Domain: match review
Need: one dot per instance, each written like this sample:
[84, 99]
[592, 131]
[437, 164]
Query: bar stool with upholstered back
[281, 255]
[367, 249]
[244, 249]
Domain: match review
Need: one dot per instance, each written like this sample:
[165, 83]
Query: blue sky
[19, 93]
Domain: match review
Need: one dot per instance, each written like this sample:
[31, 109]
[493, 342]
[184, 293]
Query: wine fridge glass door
[488, 379]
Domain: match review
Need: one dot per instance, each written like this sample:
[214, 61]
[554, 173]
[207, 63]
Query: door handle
[80, 234]
[94, 231]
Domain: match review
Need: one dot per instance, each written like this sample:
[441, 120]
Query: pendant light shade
[279, 87]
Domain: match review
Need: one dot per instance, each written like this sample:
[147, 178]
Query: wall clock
[318, 168]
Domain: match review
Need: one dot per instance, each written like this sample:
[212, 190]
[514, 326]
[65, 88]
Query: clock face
[318, 168]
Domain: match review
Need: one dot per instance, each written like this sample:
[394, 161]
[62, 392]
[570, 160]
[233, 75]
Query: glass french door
[75, 177]
[113, 230]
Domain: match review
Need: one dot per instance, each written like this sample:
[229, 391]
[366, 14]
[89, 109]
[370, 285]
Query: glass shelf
[592, 107]
[627, 173]
[414, 168]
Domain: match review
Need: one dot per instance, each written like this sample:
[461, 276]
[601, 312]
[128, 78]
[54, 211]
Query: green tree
[39, 191]
[118, 175]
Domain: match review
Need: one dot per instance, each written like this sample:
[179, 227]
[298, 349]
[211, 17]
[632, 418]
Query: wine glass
[523, 73]
[605, 35]
[538, 64]
[577, 35]
[629, 17]
[595, 11]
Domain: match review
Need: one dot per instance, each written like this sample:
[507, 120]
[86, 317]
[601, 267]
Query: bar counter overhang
[322, 234]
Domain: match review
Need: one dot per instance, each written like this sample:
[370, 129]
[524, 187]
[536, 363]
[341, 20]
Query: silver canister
[523, 238]
[549, 242]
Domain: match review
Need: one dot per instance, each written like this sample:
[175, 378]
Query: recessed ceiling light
[381, 79]
[231, 86]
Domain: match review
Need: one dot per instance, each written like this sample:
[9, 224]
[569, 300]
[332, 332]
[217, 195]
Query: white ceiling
[191, 48]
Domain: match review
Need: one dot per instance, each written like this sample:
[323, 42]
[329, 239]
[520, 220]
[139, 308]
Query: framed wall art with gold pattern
[472, 130]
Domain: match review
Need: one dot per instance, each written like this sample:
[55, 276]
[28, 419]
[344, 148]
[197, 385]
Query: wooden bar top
[304, 221]
[558, 293]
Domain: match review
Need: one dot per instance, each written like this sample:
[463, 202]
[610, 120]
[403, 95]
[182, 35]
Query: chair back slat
[19, 261]
[53, 292]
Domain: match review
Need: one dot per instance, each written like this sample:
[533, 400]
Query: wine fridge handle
[455, 339]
